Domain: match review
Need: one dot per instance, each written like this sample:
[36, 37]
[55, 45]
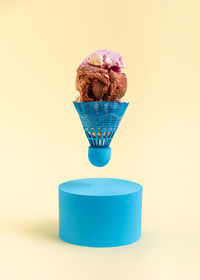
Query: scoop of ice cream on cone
[99, 77]
[105, 58]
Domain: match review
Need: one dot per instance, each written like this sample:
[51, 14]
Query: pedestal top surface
[100, 187]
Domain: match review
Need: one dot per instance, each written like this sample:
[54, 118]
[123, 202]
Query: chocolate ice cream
[99, 77]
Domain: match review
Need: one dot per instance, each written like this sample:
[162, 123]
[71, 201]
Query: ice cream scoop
[105, 58]
[99, 77]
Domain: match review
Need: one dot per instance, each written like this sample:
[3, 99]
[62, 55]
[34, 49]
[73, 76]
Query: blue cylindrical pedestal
[100, 212]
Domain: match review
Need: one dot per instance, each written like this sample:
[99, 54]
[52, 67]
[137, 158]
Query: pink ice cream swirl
[106, 59]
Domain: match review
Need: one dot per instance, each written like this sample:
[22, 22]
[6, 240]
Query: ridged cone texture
[100, 120]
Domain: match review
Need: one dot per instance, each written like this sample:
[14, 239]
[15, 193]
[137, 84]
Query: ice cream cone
[100, 121]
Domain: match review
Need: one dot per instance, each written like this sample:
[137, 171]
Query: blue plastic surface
[99, 156]
[100, 121]
[101, 212]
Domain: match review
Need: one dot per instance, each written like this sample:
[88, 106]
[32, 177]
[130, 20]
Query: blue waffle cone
[100, 120]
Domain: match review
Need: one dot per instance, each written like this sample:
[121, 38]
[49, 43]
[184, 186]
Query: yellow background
[42, 142]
